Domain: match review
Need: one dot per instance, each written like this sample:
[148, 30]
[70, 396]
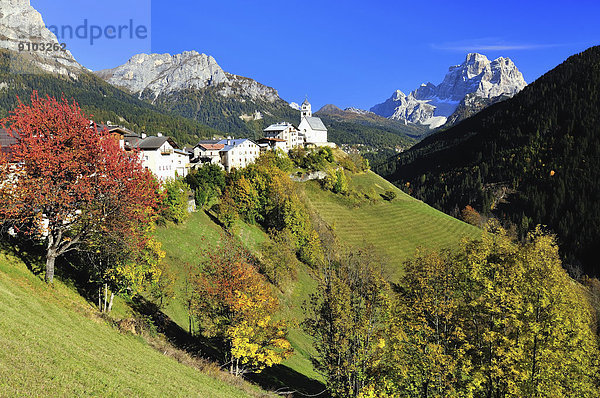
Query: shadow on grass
[31, 253]
[278, 378]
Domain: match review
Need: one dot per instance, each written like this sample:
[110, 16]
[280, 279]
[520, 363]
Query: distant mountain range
[194, 85]
[466, 89]
[532, 159]
[360, 127]
[151, 76]
[57, 73]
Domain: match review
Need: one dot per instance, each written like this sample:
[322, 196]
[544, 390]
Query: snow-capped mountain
[432, 105]
[358, 111]
[152, 75]
[20, 23]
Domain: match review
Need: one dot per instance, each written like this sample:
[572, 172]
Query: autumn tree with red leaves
[73, 183]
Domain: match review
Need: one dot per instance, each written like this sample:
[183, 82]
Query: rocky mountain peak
[153, 75]
[21, 23]
[432, 105]
[330, 109]
[159, 74]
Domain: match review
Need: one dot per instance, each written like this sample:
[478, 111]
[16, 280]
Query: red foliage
[471, 216]
[73, 177]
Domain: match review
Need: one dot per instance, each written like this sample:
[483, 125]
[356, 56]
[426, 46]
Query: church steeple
[305, 110]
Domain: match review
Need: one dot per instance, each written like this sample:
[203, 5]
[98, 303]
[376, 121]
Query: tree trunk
[50, 259]
[105, 296]
[100, 298]
[110, 303]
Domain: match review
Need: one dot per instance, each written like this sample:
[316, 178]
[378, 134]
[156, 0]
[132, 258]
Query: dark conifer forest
[533, 159]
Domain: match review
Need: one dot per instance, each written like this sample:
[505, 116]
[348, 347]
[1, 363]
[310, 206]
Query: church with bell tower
[311, 127]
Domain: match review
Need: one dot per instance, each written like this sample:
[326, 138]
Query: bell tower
[305, 110]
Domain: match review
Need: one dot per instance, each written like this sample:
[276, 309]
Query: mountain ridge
[23, 25]
[433, 105]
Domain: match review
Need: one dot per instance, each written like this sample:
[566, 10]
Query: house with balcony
[161, 155]
[285, 132]
[207, 152]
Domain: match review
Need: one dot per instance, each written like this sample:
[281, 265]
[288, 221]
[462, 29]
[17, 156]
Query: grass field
[54, 344]
[395, 229]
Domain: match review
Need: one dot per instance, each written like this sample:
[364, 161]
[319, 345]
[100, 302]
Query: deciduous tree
[346, 318]
[72, 179]
[234, 303]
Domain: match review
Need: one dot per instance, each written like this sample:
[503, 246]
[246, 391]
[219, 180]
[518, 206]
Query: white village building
[207, 152]
[238, 153]
[161, 155]
[272, 143]
[284, 131]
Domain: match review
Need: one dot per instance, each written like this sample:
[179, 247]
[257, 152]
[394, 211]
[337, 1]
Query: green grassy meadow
[54, 344]
[395, 229]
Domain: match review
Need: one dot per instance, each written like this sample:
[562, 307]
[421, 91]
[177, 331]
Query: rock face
[152, 75]
[476, 78]
[21, 23]
[164, 73]
[358, 111]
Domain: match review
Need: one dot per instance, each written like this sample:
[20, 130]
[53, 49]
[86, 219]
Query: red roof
[212, 147]
[272, 139]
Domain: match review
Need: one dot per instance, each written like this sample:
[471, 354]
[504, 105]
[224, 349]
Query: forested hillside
[209, 107]
[97, 98]
[533, 159]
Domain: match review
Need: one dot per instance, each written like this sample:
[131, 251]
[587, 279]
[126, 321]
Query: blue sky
[350, 53]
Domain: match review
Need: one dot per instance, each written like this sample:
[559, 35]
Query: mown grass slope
[54, 344]
[395, 229]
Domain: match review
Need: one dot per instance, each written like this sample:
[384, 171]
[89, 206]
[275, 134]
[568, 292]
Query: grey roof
[6, 141]
[316, 123]
[306, 102]
[232, 143]
[131, 141]
[278, 127]
[150, 143]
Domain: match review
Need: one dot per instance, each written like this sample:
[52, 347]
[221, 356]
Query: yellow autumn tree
[560, 349]
[427, 344]
[257, 340]
[234, 303]
[497, 318]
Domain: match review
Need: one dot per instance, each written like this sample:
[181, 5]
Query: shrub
[175, 201]
[389, 195]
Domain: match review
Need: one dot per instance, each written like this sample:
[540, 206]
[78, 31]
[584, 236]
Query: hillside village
[167, 160]
[171, 229]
